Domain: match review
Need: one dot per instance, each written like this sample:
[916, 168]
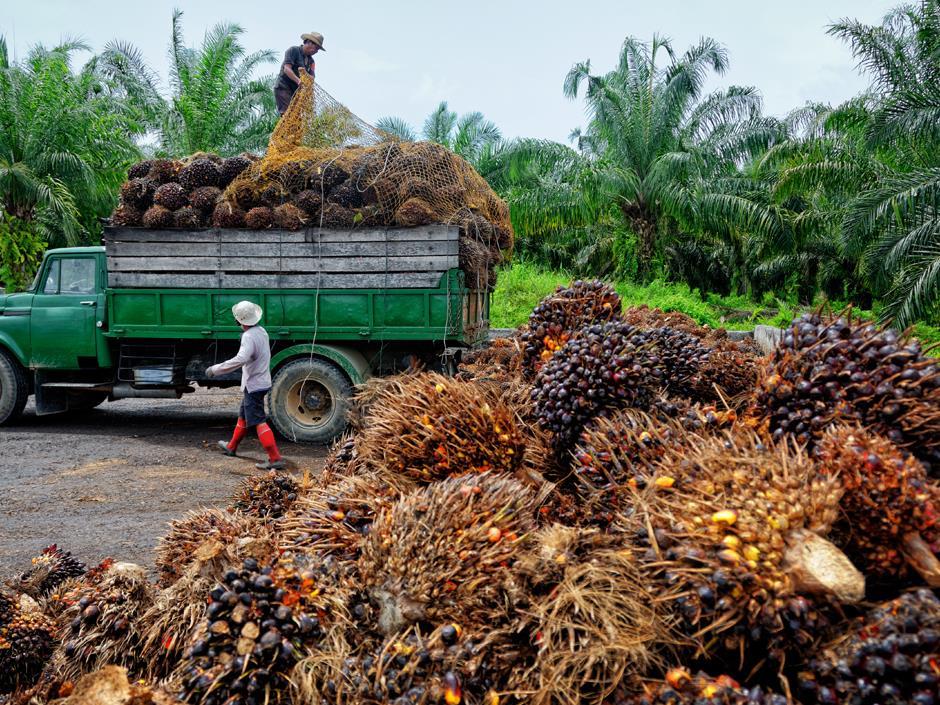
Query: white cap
[247, 313]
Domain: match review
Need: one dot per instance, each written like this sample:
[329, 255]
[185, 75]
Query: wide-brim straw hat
[314, 37]
[247, 313]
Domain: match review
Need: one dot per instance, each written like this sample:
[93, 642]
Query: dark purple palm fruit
[171, 196]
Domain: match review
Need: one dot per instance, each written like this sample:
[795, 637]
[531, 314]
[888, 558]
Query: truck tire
[14, 388]
[309, 399]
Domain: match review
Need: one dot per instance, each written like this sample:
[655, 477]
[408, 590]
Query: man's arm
[245, 354]
[288, 71]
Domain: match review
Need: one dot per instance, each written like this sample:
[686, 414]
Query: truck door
[64, 316]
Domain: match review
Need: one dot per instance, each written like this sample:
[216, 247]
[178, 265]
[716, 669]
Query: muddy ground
[106, 482]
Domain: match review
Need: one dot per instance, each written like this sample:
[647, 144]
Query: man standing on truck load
[296, 60]
[254, 359]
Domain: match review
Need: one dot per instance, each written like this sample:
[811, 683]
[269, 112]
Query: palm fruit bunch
[440, 554]
[157, 217]
[204, 198]
[441, 665]
[616, 455]
[728, 375]
[259, 218]
[890, 508]
[101, 622]
[287, 216]
[335, 518]
[889, 657]
[605, 367]
[49, 570]
[260, 621]
[436, 574]
[228, 215]
[169, 624]
[561, 315]
[680, 687]
[341, 459]
[500, 359]
[830, 368]
[429, 426]
[163, 171]
[210, 537]
[27, 641]
[267, 496]
[171, 196]
[734, 539]
[677, 359]
[232, 167]
[201, 171]
[594, 623]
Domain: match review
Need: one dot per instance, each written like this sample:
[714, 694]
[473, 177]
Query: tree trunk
[644, 227]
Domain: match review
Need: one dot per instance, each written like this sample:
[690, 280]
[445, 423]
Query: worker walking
[297, 60]
[254, 359]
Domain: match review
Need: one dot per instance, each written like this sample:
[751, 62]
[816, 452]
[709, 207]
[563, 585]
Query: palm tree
[896, 222]
[652, 146]
[65, 143]
[216, 103]
[470, 135]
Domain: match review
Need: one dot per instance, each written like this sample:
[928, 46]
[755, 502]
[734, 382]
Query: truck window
[52, 278]
[71, 276]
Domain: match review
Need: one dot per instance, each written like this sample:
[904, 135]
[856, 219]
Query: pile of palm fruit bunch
[836, 368]
[651, 545]
[178, 193]
[320, 173]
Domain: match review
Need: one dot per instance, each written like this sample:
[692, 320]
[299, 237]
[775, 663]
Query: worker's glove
[210, 372]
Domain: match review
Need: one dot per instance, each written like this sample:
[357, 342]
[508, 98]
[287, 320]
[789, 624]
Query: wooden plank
[157, 249]
[430, 232]
[341, 249]
[401, 280]
[163, 264]
[138, 280]
[338, 264]
[313, 234]
[164, 236]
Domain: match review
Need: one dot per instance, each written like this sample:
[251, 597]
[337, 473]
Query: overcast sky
[507, 59]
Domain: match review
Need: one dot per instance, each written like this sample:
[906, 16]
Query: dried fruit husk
[212, 539]
[429, 426]
[107, 612]
[596, 624]
[444, 553]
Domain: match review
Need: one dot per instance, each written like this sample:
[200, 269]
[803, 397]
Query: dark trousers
[252, 409]
[282, 96]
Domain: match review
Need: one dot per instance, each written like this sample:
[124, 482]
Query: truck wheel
[14, 388]
[309, 399]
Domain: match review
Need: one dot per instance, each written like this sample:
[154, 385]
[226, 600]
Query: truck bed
[370, 285]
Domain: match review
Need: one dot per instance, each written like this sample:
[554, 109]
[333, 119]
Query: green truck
[144, 315]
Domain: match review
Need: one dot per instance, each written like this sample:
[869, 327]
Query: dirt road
[105, 482]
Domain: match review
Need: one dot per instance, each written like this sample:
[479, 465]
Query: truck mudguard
[351, 361]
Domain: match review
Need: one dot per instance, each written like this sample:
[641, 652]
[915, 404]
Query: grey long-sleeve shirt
[254, 359]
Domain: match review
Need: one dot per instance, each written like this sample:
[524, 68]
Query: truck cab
[74, 340]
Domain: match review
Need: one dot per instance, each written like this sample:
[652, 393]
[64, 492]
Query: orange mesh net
[337, 171]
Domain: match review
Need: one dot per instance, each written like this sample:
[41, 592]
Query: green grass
[520, 286]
